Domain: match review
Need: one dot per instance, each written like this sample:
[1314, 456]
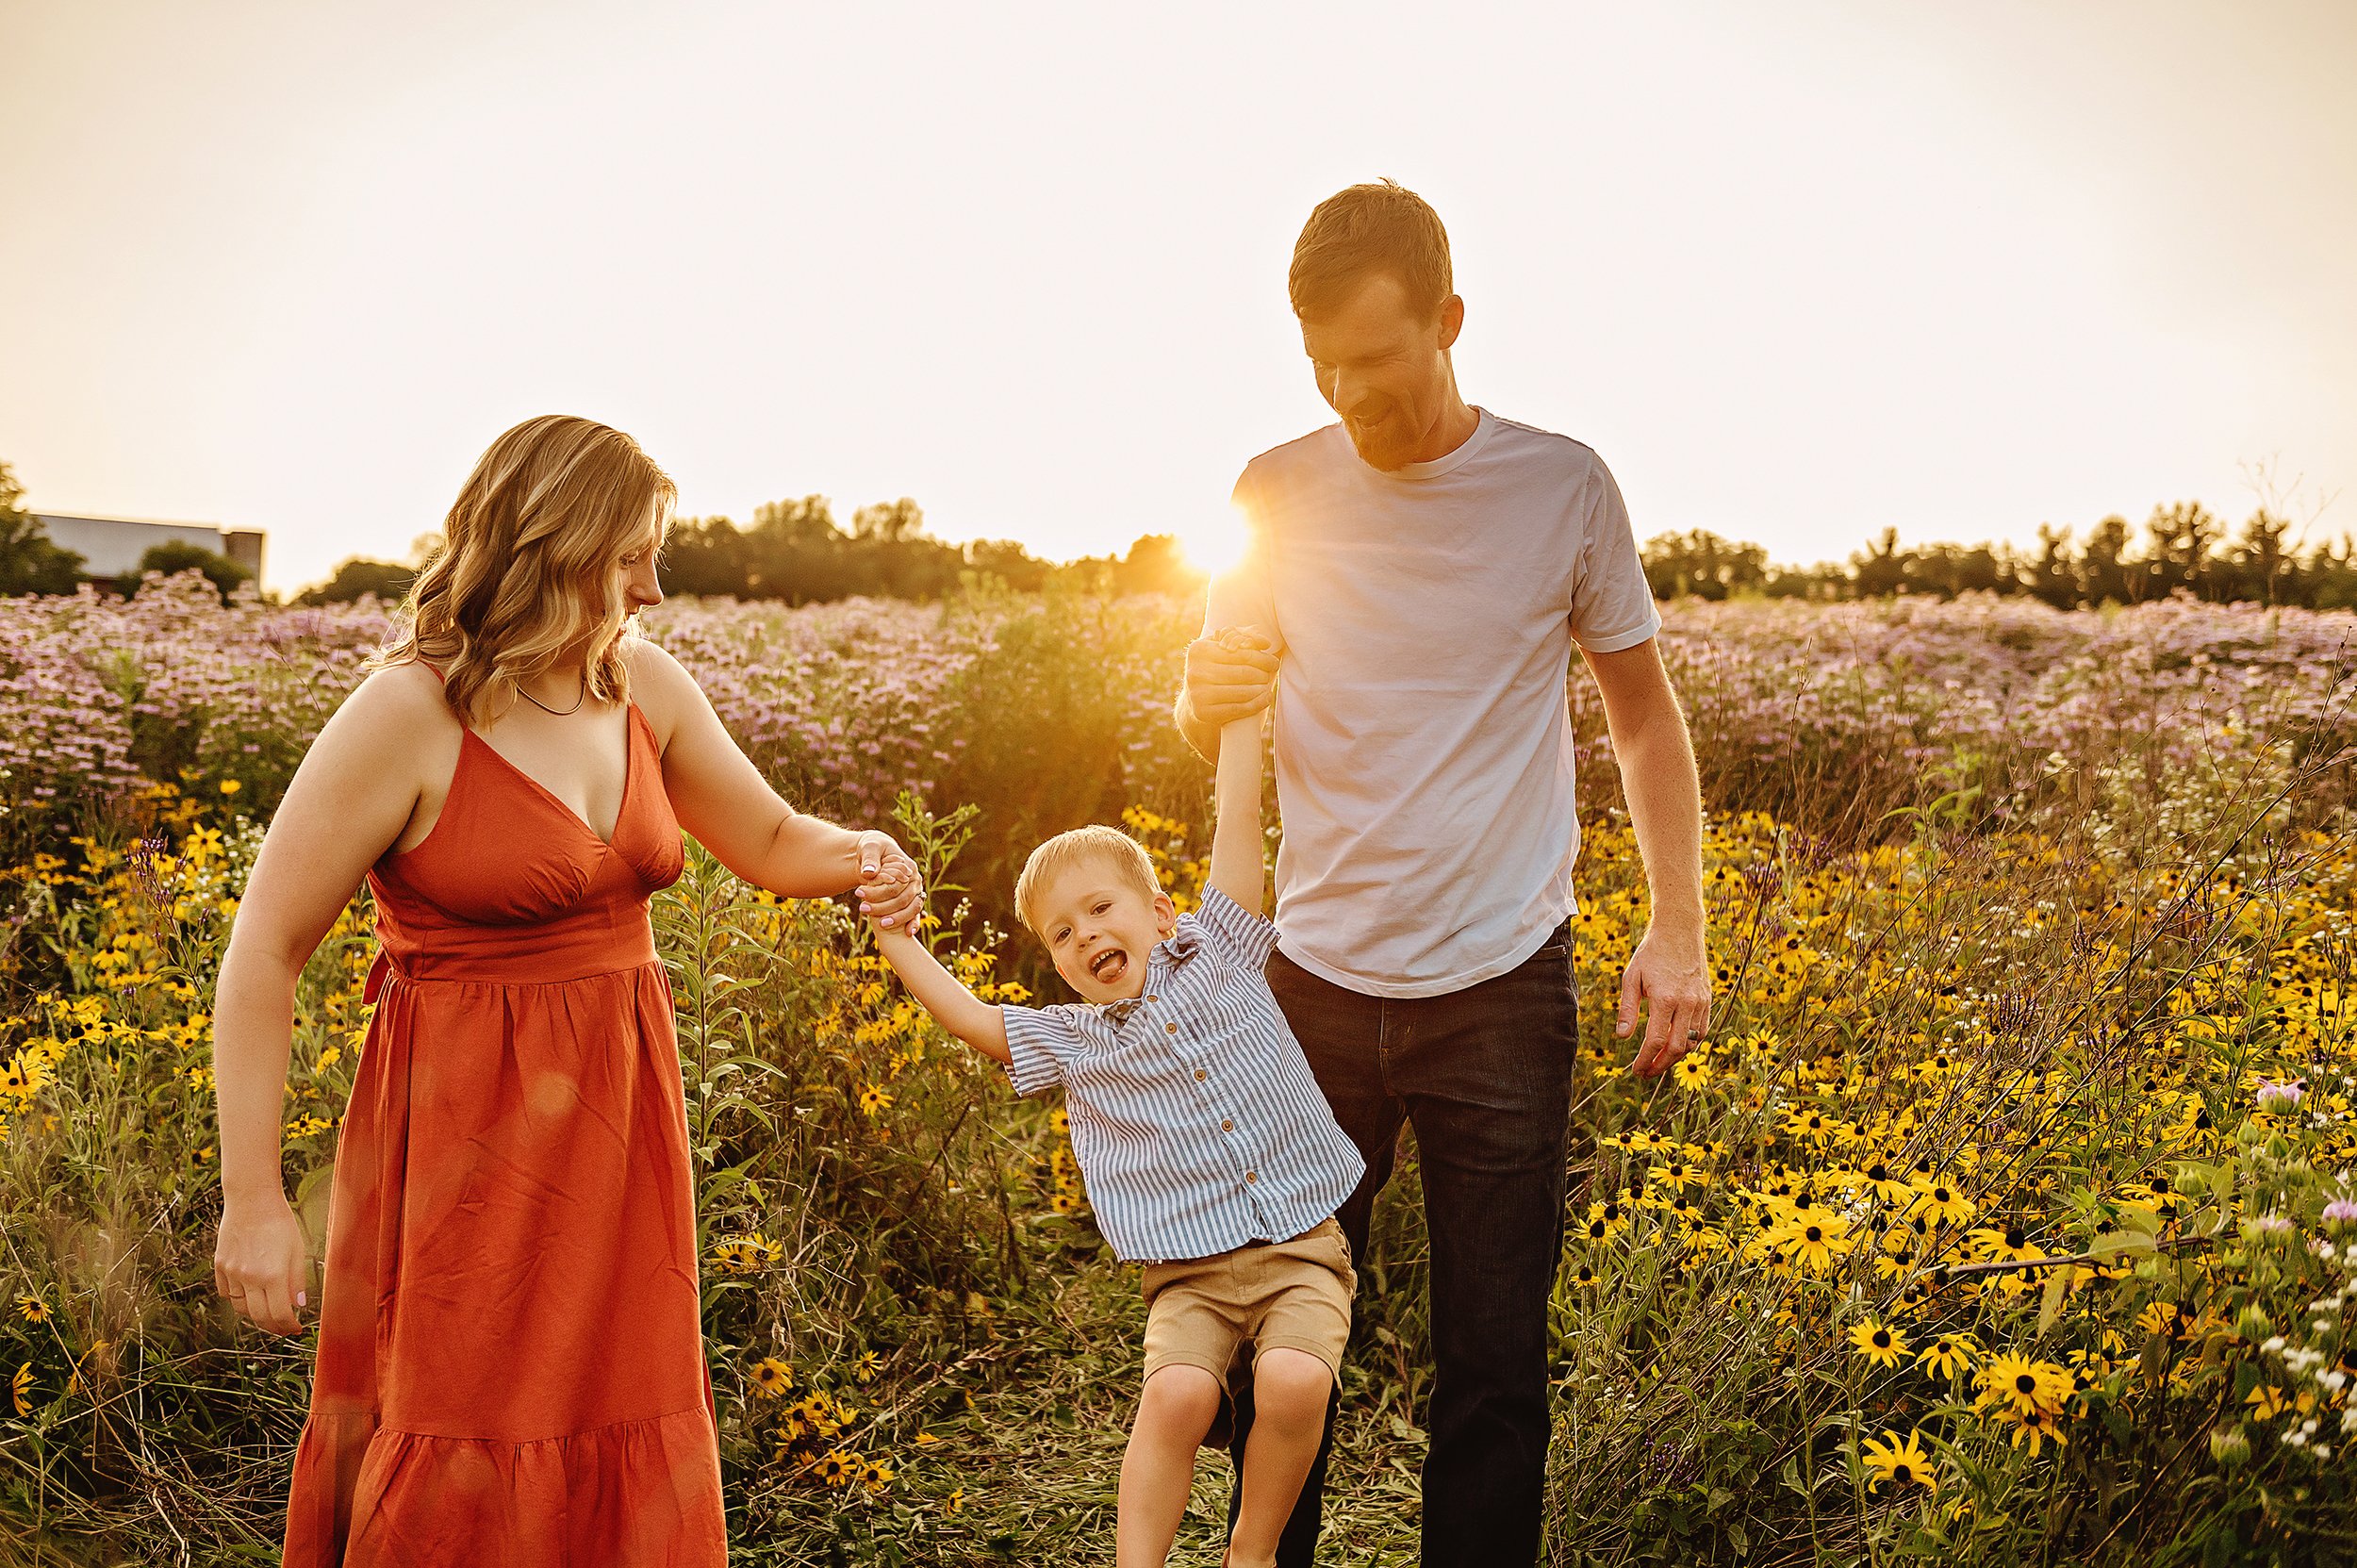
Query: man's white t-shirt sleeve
[1613, 604]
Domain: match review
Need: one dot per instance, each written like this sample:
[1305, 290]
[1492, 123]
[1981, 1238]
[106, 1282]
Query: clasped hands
[891, 892]
[1230, 674]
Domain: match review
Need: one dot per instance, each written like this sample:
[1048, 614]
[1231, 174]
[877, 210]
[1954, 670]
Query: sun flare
[1218, 543]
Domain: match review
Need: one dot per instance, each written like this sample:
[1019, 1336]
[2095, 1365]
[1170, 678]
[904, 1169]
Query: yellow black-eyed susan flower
[1605, 1220]
[773, 1378]
[2034, 1427]
[1898, 1460]
[1948, 1355]
[2267, 1401]
[1681, 1173]
[1813, 1239]
[1887, 1184]
[2011, 1244]
[2166, 1320]
[2023, 1384]
[32, 1309]
[1812, 1125]
[21, 1390]
[1939, 1201]
[1878, 1342]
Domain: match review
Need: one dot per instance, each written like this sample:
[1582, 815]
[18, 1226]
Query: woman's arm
[349, 800]
[954, 1007]
[720, 797]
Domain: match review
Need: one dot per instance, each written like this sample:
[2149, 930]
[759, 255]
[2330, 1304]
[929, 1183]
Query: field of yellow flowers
[2007, 1218]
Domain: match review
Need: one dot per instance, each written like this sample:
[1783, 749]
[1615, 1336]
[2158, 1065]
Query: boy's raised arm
[1236, 869]
[957, 1008]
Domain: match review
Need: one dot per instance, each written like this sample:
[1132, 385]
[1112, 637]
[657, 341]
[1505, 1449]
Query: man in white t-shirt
[1422, 571]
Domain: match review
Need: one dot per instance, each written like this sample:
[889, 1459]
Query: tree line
[2182, 546]
[794, 550]
[797, 552]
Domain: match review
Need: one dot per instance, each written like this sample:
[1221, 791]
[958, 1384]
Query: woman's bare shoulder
[659, 683]
[406, 691]
[396, 712]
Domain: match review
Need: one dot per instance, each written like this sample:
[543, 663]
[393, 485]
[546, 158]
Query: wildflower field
[2007, 1218]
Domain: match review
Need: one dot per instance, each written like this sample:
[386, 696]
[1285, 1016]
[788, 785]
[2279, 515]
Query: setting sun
[1217, 542]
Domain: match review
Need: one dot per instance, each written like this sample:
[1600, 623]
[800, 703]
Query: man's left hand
[1671, 973]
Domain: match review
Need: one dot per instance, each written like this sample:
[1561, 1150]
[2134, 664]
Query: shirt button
[1170, 1028]
[1201, 1075]
[1153, 998]
[1228, 1127]
[1252, 1176]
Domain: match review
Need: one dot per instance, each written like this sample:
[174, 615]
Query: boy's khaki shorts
[1273, 1295]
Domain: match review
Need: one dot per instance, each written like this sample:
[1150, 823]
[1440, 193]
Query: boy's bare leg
[1158, 1470]
[1290, 1390]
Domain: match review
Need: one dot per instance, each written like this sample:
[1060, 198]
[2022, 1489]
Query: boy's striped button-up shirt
[1195, 1119]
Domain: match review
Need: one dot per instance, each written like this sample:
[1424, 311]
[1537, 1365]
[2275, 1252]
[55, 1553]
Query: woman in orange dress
[510, 1363]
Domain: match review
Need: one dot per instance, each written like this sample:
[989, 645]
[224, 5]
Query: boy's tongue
[1109, 965]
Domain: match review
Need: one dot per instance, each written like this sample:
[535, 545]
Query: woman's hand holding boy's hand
[901, 928]
[889, 892]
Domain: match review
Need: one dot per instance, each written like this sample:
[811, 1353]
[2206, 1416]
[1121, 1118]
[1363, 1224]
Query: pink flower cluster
[1031, 706]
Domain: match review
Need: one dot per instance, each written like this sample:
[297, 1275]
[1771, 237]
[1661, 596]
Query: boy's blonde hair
[1128, 856]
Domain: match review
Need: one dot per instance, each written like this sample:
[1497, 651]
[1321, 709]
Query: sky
[1797, 271]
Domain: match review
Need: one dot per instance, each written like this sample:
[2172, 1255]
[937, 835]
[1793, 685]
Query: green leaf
[2114, 1243]
[2049, 1304]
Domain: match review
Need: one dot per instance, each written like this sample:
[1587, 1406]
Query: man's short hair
[1126, 855]
[1366, 229]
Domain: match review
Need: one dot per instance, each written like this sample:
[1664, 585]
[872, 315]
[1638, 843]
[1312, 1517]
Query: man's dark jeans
[1484, 1075]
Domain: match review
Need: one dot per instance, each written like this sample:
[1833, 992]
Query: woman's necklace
[545, 708]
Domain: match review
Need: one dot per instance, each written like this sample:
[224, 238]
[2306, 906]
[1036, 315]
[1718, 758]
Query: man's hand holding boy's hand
[889, 892]
[1230, 675]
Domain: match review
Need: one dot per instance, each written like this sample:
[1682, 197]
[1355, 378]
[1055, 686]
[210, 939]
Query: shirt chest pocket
[1134, 1069]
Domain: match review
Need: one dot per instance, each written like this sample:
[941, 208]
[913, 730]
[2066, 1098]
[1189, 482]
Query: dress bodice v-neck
[630, 774]
[507, 851]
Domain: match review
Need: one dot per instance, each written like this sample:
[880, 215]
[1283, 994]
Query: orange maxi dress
[510, 1358]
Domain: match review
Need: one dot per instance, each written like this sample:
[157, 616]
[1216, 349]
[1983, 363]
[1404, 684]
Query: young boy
[1207, 1149]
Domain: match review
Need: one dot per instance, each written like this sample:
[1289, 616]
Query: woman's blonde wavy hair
[528, 563]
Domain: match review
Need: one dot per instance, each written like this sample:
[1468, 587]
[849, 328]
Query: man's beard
[1384, 449]
[1384, 446]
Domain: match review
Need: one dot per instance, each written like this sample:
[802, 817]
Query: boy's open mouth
[1109, 965]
